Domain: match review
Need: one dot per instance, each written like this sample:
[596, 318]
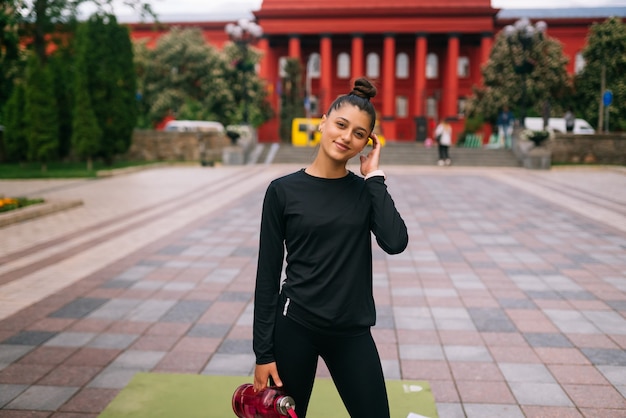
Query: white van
[581, 126]
[193, 126]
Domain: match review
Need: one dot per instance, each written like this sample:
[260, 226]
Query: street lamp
[521, 37]
[244, 33]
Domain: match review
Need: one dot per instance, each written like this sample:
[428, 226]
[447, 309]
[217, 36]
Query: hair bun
[363, 88]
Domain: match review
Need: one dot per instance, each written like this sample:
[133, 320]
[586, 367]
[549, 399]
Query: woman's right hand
[262, 373]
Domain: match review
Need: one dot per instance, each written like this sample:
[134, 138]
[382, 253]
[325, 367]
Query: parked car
[581, 126]
[304, 132]
[193, 126]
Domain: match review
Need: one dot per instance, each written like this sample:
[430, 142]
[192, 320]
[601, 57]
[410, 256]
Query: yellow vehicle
[304, 132]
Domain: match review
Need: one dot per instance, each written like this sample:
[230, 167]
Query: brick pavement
[510, 299]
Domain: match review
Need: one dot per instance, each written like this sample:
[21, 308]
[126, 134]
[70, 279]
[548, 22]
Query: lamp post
[244, 33]
[521, 37]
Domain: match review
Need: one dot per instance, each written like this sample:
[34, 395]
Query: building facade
[423, 56]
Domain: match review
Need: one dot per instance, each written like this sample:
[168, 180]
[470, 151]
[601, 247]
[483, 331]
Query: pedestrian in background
[323, 216]
[505, 126]
[570, 120]
[443, 134]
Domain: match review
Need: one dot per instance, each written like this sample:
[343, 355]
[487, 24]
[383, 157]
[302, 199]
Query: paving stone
[545, 394]
[614, 374]
[491, 320]
[9, 392]
[230, 364]
[605, 357]
[42, 398]
[113, 341]
[173, 250]
[235, 296]
[150, 310]
[115, 309]
[135, 359]
[78, 308]
[547, 340]
[467, 353]
[30, 338]
[231, 346]
[209, 330]
[113, 378]
[529, 373]
[118, 284]
[70, 339]
[10, 353]
[186, 311]
[476, 410]
[421, 352]
[136, 272]
[517, 304]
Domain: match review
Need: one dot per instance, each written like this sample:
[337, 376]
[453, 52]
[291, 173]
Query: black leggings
[353, 362]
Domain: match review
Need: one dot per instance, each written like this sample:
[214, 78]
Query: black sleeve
[269, 269]
[386, 223]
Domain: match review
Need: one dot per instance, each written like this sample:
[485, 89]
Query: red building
[424, 56]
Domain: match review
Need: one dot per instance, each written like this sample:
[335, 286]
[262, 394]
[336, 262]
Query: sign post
[607, 99]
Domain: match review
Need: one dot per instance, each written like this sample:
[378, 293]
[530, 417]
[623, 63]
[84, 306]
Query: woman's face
[345, 132]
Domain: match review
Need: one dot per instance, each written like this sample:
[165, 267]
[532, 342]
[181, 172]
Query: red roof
[268, 5]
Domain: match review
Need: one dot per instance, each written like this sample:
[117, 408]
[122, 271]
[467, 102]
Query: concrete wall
[150, 145]
[588, 149]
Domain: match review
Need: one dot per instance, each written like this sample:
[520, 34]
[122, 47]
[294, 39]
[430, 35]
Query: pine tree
[15, 143]
[606, 48]
[86, 134]
[40, 113]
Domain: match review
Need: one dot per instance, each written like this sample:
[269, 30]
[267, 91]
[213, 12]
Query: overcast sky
[231, 9]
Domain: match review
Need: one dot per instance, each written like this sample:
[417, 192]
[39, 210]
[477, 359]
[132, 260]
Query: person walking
[443, 133]
[570, 120]
[323, 217]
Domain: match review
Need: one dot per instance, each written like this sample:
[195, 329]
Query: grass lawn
[58, 169]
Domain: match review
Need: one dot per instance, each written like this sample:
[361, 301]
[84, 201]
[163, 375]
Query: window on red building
[402, 65]
[373, 65]
[402, 107]
[314, 66]
[432, 66]
[463, 67]
[343, 65]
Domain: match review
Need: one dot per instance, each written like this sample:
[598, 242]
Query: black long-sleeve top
[324, 225]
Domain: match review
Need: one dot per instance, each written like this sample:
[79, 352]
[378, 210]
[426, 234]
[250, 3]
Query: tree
[15, 144]
[86, 134]
[522, 84]
[251, 96]
[46, 19]
[62, 67]
[185, 77]
[106, 57]
[40, 113]
[292, 97]
[605, 52]
[9, 51]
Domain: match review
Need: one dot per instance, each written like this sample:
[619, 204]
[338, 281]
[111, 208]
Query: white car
[193, 126]
[581, 126]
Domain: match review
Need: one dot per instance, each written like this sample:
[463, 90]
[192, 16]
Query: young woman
[443, 133]
[323, 216]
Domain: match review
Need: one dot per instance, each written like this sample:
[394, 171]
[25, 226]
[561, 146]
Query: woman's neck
[326, 169]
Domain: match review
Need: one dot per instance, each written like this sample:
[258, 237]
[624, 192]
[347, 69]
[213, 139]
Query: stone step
[400, 154]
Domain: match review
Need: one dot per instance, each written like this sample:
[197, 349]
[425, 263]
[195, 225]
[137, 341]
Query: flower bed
[12, 203]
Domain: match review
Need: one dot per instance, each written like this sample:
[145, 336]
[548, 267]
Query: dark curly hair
[360, 96]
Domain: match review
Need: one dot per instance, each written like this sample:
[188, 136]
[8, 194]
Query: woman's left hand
[369, 162]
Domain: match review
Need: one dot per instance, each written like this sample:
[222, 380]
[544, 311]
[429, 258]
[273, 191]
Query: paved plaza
[510, 299]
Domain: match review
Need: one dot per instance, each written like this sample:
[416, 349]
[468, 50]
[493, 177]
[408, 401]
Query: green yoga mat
[161, 395]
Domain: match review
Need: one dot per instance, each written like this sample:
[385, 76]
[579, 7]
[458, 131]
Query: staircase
[397, 153]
